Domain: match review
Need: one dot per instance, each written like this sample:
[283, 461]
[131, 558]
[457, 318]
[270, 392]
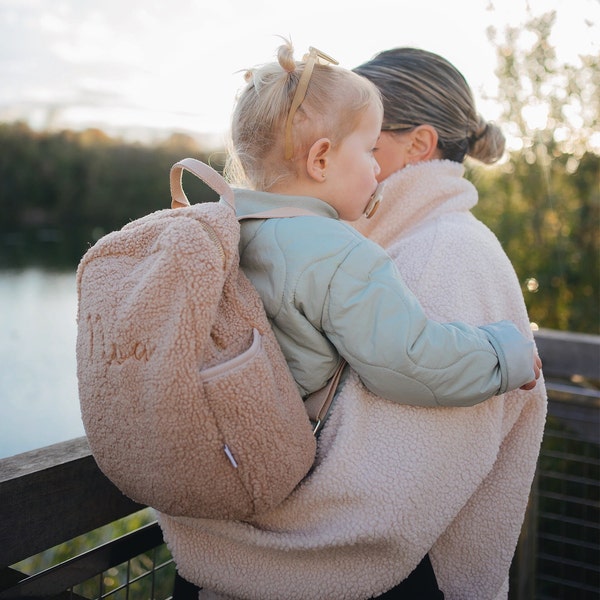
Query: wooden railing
[53, 494]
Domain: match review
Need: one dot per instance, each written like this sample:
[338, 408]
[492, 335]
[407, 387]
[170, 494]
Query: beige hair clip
[313, 57]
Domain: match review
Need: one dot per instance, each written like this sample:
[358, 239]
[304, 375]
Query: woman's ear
[318, 159]
[423, 144]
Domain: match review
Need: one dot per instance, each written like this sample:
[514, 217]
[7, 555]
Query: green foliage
[547, 222]
[543, 203]
[61, 191]
[83, 543]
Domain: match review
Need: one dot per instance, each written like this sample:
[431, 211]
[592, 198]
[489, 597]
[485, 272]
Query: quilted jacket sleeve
[379, 327]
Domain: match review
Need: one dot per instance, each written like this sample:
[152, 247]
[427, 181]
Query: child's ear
[423, 143]
[317, 160]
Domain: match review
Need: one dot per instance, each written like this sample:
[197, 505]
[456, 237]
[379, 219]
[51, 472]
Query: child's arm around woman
[329, 291]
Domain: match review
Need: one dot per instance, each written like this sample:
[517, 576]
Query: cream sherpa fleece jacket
[394, 482]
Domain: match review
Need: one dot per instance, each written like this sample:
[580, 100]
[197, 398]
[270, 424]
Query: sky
[144, 66]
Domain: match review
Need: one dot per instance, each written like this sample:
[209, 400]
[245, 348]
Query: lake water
[38, 384]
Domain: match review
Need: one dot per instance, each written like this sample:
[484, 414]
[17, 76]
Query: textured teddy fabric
[394, 482]
[160, 300]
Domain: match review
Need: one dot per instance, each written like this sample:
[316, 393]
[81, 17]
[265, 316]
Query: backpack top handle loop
[207, 174]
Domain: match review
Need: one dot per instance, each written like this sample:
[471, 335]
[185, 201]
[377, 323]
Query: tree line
[61, 191]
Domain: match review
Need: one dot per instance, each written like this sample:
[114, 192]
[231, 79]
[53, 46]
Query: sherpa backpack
[186, 398]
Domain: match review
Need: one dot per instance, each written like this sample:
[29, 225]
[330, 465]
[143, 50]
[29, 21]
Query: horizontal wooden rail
[567, 355]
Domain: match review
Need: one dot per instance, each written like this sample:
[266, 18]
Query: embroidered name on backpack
[111, 351]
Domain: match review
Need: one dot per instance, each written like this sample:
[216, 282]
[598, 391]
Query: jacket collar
[251, 201]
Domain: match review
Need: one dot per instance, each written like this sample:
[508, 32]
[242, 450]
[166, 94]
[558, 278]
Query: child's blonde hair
[334, 101]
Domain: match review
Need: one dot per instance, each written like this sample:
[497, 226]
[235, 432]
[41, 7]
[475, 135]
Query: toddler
[303, 135]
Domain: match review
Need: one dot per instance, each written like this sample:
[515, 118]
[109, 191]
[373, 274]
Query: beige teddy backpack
[186, 398]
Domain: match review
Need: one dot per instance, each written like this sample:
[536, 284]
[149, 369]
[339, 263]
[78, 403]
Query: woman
[458, 270]
[395, 485]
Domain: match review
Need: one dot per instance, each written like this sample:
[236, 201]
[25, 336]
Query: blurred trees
[59, 192]
[543, 202]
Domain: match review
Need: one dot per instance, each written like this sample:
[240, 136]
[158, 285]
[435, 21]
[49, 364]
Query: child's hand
[537, 366]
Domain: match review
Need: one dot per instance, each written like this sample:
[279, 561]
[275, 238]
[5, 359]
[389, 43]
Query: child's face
[353, 170]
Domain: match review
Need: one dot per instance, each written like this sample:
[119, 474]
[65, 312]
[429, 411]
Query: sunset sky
[154, 65]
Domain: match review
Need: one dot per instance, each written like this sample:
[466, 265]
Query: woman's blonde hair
[420, 87]
[334, 101]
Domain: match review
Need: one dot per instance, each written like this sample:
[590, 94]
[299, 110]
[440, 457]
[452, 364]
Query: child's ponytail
[273, 127]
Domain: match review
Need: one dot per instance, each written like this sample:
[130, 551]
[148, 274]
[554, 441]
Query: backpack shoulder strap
[203, 172]
[216, 181]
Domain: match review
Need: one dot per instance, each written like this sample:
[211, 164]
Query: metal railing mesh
[148, 576]
[567, 498]
[126, 560]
